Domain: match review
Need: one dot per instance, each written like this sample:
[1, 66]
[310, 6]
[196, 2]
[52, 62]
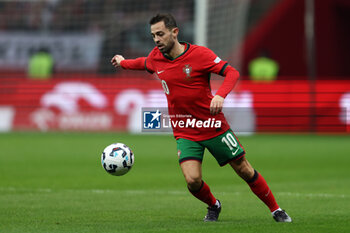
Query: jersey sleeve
[149, 62]
[212, 63]
[133, 64]
[231, 77]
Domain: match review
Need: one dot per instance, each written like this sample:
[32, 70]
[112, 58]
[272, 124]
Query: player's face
[163, 37]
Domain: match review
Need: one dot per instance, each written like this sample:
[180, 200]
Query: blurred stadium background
[307, 90]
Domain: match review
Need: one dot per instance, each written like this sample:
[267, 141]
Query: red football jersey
[186, 83]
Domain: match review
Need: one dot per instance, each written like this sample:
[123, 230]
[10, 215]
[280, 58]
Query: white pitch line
[164, 192]
[325, 195]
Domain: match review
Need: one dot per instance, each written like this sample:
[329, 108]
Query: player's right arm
[129, 64]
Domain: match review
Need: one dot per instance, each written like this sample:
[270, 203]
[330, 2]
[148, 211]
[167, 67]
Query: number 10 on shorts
[231, 142]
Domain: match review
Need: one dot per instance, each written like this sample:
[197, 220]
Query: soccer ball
[117, 159]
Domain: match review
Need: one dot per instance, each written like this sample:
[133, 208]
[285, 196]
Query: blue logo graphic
[151, 119]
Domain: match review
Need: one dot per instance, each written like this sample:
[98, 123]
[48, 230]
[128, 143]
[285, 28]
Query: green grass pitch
[54, 182]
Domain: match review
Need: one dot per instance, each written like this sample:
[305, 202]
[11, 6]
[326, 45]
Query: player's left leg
[227, 149]
[259, 187]
[255, 181]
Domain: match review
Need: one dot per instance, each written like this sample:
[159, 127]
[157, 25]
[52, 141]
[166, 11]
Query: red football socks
[260, 188]
[257, 184]
[204, 194]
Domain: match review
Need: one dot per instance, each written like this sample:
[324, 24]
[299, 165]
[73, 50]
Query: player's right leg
[190, 157]
[192, 171]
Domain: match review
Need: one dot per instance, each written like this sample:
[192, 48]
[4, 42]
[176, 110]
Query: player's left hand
[216, 104]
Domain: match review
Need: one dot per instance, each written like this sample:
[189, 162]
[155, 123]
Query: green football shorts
[224, 148]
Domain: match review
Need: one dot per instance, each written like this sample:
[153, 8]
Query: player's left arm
[231, 76]
[213, 64]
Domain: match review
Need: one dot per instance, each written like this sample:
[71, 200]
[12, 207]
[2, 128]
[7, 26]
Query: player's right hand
[116, 60]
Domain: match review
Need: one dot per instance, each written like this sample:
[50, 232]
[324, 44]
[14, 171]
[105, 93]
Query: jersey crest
[187, 70]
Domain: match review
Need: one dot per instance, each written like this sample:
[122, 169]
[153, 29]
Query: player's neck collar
[187, 47]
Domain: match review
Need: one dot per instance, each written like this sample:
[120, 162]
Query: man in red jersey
[184, 70]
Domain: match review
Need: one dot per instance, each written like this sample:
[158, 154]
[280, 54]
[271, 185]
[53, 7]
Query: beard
[167, 48]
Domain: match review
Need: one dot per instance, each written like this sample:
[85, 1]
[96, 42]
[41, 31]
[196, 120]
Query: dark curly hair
[168, 20]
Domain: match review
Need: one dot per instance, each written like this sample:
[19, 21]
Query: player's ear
[175, 31]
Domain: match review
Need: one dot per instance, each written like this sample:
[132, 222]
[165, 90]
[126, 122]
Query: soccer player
[184, 70]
